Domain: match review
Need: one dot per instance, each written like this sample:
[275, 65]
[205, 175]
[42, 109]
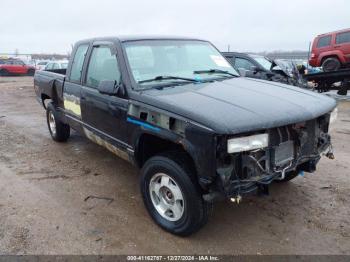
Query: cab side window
[324, 41]
[243, 63]
[78, 62]
[103, 65]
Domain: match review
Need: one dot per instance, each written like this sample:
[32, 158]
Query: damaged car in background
[261, 67]
[176, 109]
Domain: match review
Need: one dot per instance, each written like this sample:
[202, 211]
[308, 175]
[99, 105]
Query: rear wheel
[171, 195]
[331, 64]
[59, 131]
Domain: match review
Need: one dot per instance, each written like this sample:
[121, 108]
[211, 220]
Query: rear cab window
[77, 63]
[324, 41]
[49, 66]
[64, 65]
[342, 38]
[55, 66]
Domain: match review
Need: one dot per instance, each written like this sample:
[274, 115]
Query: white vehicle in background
[41, 65]
[54, 65]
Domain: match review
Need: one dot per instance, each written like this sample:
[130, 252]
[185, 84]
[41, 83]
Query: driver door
[105, 115]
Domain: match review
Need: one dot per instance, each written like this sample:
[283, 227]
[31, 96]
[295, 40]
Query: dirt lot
[45, 209]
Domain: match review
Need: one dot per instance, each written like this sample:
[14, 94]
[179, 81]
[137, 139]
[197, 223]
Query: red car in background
[331, 51]
[15, 67]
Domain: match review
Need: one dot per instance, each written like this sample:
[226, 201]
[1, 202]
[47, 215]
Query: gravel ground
[45, 206]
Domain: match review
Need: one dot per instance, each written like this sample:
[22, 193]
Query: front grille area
[290, 148]
[282, 154]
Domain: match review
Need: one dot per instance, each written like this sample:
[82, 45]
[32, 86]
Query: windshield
[263, 61]
[189, 59]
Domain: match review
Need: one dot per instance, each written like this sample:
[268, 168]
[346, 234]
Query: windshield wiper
[211, 71]
[160, 78]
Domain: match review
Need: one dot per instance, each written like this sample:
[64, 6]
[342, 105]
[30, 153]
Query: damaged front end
[250, 163]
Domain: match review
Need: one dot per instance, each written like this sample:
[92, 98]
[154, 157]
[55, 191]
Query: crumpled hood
[240, 104]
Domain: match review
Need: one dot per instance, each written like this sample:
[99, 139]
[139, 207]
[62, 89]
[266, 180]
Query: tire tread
[62, 129]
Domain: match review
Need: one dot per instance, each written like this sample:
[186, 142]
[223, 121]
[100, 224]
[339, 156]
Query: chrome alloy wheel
[166, 197]
[52, 123]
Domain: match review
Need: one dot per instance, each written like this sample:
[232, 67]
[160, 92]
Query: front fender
[199, 143]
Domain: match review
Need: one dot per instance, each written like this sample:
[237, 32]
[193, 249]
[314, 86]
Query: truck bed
[49, 84]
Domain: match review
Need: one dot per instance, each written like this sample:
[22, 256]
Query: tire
[4, 72]
[289, 176]
[59, 131]
[331, 64]
[30, 72]
[171, 195]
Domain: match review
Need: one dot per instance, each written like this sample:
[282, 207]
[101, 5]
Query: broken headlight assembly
[247, 143]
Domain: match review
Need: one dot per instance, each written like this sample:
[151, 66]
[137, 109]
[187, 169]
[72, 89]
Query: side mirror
[108, 87]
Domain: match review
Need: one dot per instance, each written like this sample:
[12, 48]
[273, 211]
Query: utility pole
[228, 48]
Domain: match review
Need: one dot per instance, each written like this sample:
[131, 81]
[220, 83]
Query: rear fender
[54, 93]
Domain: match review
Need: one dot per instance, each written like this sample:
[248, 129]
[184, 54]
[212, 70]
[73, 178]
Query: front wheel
[59, 131]
[172, 198]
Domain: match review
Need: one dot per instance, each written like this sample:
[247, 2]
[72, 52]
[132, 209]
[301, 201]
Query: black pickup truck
[175, 108]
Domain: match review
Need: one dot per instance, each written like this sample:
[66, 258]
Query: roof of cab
[125, 38]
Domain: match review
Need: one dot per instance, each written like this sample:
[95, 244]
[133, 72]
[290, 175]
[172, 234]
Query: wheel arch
[336, 55]
[148, 145]
[52, 95]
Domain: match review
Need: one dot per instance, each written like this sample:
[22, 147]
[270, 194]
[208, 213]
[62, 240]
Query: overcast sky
[38, 26]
